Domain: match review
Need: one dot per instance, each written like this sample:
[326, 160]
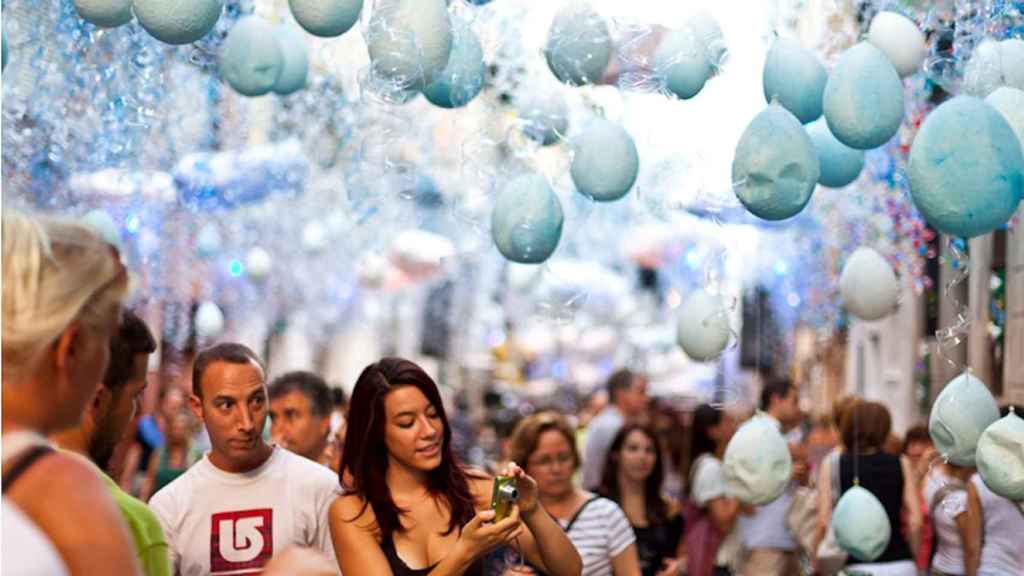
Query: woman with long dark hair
[410, 508]
[712, 543]
[632, 477]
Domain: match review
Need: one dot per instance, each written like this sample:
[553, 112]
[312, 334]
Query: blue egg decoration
[579, 45]
[863, 100]
[966, 168]
[463, 77]
[959, 417]
[838, 163]
[605, 162]
[683, 61]
[326, 18]
[105, 13]
[251, 58]
[526, 222]
[861, 524]
[178, 22]
[776, 167]
[295, 65]
[796, 78]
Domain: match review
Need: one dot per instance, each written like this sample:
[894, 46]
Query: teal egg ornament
[463, 76]
[326, 18]
[861, 524]
[683, 61]
[579, 45]
[105, 13]
[545, 117]
[527, 219]
[295, 63]
[776, 167]
[409, 41]
[966, 168]
[959, 416]
[250, 58]
[839, 164]
[796, 78]
[1000, 457]
[179, 22]
[863, 100]
[605, 162]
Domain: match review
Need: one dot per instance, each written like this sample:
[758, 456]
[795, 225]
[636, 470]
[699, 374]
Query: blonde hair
[56, 272]
[527, 433]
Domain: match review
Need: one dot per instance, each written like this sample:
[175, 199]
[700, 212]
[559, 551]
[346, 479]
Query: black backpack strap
[25, 461]
[578, 512]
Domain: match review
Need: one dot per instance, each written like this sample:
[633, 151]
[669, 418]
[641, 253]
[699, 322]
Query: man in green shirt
[106, 421]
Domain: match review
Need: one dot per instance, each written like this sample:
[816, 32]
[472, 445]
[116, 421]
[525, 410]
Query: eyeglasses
[548, 461]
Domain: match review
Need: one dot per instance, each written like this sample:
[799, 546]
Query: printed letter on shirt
[241, 542]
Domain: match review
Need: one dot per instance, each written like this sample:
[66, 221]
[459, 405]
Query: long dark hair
[705, 417]
[364, 461]
[654, 504]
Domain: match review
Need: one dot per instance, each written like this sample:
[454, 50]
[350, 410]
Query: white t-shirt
[601, 532]
[1002, 551]
[26, 550]
[708, 484]
[949, 554]
[219, 523]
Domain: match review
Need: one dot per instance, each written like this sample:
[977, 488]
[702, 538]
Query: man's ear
[325, 426]
[195, 403]
[101, 402]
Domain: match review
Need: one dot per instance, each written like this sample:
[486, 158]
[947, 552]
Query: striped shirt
[600, 532]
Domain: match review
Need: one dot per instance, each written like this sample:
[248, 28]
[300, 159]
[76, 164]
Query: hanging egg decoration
[960, 413]
[605, 162]
[863, 100]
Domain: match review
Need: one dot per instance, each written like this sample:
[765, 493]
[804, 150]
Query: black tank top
[882, 475]
[400, 568]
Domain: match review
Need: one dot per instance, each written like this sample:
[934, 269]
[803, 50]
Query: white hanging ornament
[105, 13]
[579, 45]
[757, 465]
[861, 524]
[209, 321]
[103, 224]
[703, 326]
[901, 41]
[178, 22]
[1000, 457]
[868, 285]
[960, 413]
[409, 41]
[258, 263]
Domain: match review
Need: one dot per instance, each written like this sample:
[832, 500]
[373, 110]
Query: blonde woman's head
[62, 292]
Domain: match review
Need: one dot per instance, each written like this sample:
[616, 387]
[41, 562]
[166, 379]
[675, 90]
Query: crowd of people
[241, 474]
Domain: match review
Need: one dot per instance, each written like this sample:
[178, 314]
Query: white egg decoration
[1011, 53]
[960, 414]
[605, 162]
[250, 58]
[326, 18]
[295, 61]
[1000, 457]
[463, 77]
[579, 45]
[1010, 103]
[861, 524]
[105, 13]
[409, 41]
[710, 33]
[868, 285]
[757, 465]
[900, 39]
[702, 329]
[258, 263]
[209, 321]
[178, 22]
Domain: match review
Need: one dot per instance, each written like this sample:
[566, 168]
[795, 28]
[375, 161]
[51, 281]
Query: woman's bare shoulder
[354, 511]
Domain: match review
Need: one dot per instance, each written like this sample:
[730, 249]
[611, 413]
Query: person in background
[667, 424]
[331, 456]
[956, 525]
[150, 436]
[771, 548]
[919, 451]
[245, 500]
[107, 420]
[627, 395]
[1002, 525]
[632, 479]
[62, 292]
[410, 507]
[712, 541]
[173, 457]
[597, 526]
[300, 413]
[864, 429]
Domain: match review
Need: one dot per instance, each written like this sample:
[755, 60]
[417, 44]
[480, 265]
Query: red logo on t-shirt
[241, 541]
